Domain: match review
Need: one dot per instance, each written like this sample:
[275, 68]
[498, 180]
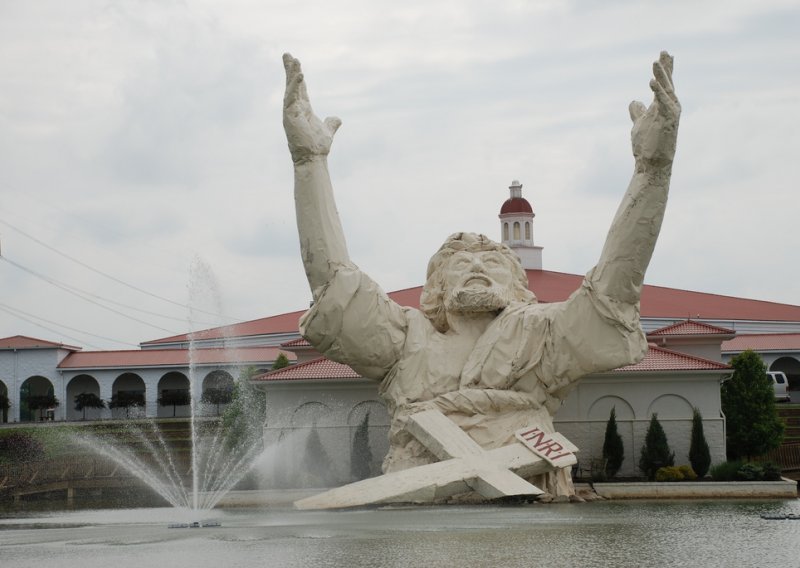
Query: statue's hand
[655, 128]
[308, 136]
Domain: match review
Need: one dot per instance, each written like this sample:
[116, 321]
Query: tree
[243, 419]
[655, 450]
[281, 361]
[126, 400]
[217, 396]
[174, 398]
[88, 400]
[613, 449]
[699, 454]
[316, 461]
[41, 402]
[748, 401]
[361, 454]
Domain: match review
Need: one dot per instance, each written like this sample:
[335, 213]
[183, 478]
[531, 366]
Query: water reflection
[620, 534]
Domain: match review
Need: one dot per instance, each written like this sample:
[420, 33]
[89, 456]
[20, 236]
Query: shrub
[772, 471]
[20, 447]
[750, 472]
[655, 451]
[361, 454]
[699, 454]
[726, 471]
[688, 472]
[669, 473]
[613, 449]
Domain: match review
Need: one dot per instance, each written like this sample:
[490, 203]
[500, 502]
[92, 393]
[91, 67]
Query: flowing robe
[516, 375]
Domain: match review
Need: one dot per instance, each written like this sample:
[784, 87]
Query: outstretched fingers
[295, 84]
[636, 109]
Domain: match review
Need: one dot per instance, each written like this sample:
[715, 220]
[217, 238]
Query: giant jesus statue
[480, 349]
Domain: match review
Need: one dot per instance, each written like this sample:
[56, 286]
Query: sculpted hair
[432, 299]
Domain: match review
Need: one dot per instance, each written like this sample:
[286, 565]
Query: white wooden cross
[464, 466]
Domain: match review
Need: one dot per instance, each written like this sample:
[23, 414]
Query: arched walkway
[36, 400]
[217, 391]
[128, 393]
[173, 395]
[82, 384]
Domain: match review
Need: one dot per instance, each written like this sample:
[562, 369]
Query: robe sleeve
[355, 323]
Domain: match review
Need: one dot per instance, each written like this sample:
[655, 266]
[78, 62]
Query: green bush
[655, 451]
[613, 449]
[772, 471]
[669, 473]
[20, 447]
[688, 472]
[750, 472]
[699, 453]
[726, 471]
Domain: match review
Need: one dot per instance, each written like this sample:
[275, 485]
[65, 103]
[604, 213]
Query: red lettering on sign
[549, 447]
[532, 435]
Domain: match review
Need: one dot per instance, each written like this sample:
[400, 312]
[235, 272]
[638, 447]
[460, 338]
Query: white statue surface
[480, 350]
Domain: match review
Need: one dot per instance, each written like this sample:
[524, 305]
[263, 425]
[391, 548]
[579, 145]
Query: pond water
[610, 533]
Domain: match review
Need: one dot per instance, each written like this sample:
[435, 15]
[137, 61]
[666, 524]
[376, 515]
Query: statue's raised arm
[620, 272]
[322, 241]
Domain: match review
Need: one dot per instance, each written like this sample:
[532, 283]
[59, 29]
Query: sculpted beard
[476, 300]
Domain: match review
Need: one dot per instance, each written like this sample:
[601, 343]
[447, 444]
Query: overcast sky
[142, 141]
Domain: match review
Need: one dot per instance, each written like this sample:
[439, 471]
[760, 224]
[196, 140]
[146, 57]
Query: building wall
[635, 397]
[297, 411]
[17, 366]
[293, 408]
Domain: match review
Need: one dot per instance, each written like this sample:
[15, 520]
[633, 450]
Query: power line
[16, 312]
[2, 308]
[113, 278]
[97, 296]
[80, 294]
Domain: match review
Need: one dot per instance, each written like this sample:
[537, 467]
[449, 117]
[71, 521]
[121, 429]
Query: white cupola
[516, 228]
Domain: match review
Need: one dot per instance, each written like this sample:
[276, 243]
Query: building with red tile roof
[682, 369]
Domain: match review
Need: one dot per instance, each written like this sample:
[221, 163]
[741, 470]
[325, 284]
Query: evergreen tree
[748, 401]
[699, 454]
[281, 361]
[655, 451]
[361, 455]
[613, 449]
[243, 419]
[316, 461]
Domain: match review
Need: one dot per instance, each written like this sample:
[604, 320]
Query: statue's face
[477, 282]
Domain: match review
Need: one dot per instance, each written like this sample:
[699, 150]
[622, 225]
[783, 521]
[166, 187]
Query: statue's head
[471, 273]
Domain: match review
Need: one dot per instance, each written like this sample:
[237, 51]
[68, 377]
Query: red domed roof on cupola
[516, 203]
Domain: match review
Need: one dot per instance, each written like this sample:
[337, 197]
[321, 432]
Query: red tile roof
[690, 327]
[763, 342]
[169, 357]
[660, 359]
[296, 343]
[657, 302]
[24, 342]
[656, 359]
[322, 368]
